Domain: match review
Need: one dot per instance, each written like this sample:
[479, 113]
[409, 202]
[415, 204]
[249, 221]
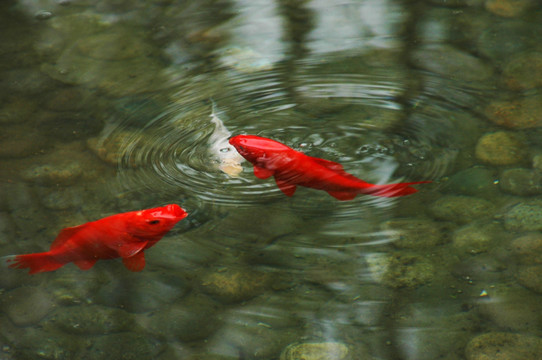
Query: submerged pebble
[473, 181]
[89, 319]
[531, 277]
[508, 8]
[408, 270]
[63, 173]
[111, 146]
[503, 345]
[525, 216]
[318, 351]
[64, 199]
[193, 318]
[500, 148]
[413, 233]
[236, 337]
[121, 346]
[475, 238]
[142, 292]
[500, 40]
[521, 182]
[114, 45]
[460, 209]
[528, 248]
[524, 71]
[451, 62]
[18, 141]
[521, 113]
[501, 308]
[27, 305]
[36, 343]
[233, 285]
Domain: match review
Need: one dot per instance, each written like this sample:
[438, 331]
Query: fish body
[126, 235]
[292, 168]
[229, 160]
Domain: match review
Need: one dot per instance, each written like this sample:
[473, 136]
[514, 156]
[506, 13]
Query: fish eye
[153, 222]
[242, 147]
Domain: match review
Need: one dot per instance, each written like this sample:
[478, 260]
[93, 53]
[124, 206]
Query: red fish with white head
[292, 168]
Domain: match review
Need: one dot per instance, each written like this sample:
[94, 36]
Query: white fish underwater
[228, 159]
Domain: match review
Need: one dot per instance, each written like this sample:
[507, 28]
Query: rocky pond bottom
[107, 107]
[453, 282]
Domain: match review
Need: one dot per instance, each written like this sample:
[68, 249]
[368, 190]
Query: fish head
[156, 221]
[257, 149]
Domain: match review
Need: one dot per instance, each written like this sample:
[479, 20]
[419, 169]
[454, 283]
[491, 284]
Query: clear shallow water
[106, 108]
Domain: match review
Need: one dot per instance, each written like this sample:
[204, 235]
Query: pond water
[110, 106]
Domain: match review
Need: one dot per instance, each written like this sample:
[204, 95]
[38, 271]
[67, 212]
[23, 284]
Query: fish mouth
[174, 210]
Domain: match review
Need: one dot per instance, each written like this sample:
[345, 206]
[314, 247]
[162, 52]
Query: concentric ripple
[343, 118]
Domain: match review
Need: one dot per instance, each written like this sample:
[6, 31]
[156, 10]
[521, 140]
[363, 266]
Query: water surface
[106, 107]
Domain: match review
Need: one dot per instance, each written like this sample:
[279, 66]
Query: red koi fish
[292, 168]
[125, 235]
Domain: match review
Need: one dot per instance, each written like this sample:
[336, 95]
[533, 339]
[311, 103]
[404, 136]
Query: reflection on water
[107, 107]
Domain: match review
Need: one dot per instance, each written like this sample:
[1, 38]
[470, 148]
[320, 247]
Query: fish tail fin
[393, 190]
[39, 262]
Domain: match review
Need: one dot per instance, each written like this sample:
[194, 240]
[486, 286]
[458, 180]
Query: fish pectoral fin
[342, 195]
[285, 187]
[129, 249]
[262, 173]
[85, 264]
[136, 262]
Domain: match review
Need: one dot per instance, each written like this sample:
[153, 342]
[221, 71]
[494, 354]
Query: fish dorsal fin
[129, 249]
[331, 165]
[65, 235]
[136, 262]
[287, 188]
[262, 173]
[85, 264]
[337, 168]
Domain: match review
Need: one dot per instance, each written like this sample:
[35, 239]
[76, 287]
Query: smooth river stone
[504, 346]
[524, 71]
[451, 62]
[460, 209]
[521, 113]
[500, 148]
[27, 305]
